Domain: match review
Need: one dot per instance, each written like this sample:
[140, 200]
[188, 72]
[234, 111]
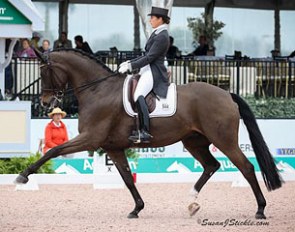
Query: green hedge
[272, 107]
[19, 164]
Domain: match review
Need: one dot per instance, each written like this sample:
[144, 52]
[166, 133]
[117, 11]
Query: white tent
[18, 19]
[208, 5]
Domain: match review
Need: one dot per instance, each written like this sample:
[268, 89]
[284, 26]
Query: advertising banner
[175, 158]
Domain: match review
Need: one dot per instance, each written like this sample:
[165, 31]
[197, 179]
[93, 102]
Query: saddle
[157, 107]
[150, 99]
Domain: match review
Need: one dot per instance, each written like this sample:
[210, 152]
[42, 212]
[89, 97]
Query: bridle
[58, 94]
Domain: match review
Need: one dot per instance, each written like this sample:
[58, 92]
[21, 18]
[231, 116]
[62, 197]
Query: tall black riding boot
[142, 136]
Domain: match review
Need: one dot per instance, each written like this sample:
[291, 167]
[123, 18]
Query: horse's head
[53, 80]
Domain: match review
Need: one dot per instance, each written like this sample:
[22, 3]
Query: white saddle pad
[165, 107]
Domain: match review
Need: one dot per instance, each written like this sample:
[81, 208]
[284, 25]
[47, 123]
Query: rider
[153, 73]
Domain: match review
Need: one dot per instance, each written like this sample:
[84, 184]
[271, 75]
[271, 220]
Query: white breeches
[145, 83]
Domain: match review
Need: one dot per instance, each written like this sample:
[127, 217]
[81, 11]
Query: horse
[205, 115]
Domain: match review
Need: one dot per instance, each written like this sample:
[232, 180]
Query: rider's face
[155, 21]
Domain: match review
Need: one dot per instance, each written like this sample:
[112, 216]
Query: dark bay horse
[205, 114]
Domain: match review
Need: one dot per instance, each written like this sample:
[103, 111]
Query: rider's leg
[144, 86]
[145, 83]
[144, 121]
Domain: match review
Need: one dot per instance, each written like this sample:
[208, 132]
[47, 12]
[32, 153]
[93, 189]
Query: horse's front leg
[77, 144]
[122, 165]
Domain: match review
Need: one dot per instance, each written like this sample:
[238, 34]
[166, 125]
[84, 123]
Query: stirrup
[140, 137]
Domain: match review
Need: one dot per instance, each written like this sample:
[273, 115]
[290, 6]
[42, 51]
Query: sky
[105, 26]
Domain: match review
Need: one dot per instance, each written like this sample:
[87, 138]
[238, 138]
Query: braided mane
[88, 55]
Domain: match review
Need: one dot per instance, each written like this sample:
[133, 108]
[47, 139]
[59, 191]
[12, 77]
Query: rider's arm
[158, 49]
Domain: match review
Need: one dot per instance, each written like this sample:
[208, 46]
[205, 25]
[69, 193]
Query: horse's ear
[41, 56]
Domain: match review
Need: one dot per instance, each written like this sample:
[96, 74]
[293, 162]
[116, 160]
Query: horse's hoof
[131, 215]
[193, 208]
[260, 216]
[21, 179]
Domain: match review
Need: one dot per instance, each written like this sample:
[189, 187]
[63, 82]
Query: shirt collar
[160, 28]
[57, 125]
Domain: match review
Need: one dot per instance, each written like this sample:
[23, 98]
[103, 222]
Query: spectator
[203, 47]
[55, 131]
[35, 40]
[63, 41]
[26, 50]
[8, 80]
[173, 52]
[292, 54]
[82, 45]
[8, 73]
[114, 51]
[45, 48]
[211, 51]
[275, 53]
[112, 55]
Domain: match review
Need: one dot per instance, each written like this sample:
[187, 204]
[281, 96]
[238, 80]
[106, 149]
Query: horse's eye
[59, 94]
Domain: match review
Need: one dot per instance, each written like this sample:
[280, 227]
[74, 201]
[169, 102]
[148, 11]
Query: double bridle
[59, 94]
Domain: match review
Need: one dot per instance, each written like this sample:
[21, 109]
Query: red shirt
[54, 135]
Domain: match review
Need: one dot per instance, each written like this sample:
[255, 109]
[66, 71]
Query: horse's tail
[269, 171]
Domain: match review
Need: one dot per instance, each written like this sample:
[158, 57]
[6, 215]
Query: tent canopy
[209, 5]
[248, 4]
[19, 19]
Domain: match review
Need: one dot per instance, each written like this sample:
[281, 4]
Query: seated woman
[26, 51]
[55, 131]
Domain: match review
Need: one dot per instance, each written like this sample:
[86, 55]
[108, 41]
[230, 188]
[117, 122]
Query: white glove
[125, 67]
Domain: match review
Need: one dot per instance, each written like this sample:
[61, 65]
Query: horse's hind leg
[77, 144]
[122, 165]
[198, 146]
[238, 158]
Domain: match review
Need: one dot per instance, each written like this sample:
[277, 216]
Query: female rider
[153, 73]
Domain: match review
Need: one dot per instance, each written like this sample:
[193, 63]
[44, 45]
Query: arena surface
[80, 208]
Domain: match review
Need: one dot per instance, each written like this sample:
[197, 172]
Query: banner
[175, 158]
[163, 165]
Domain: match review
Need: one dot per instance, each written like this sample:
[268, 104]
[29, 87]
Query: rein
[60, 93]
[89, 84]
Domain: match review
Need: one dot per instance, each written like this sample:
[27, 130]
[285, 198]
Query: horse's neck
[80, 69]
[84, 75]
[101, 82]
[87, 76]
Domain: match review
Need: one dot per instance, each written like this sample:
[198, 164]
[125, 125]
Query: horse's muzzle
[49, 101]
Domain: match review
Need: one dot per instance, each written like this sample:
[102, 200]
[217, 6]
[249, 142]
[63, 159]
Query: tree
[199, 27]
